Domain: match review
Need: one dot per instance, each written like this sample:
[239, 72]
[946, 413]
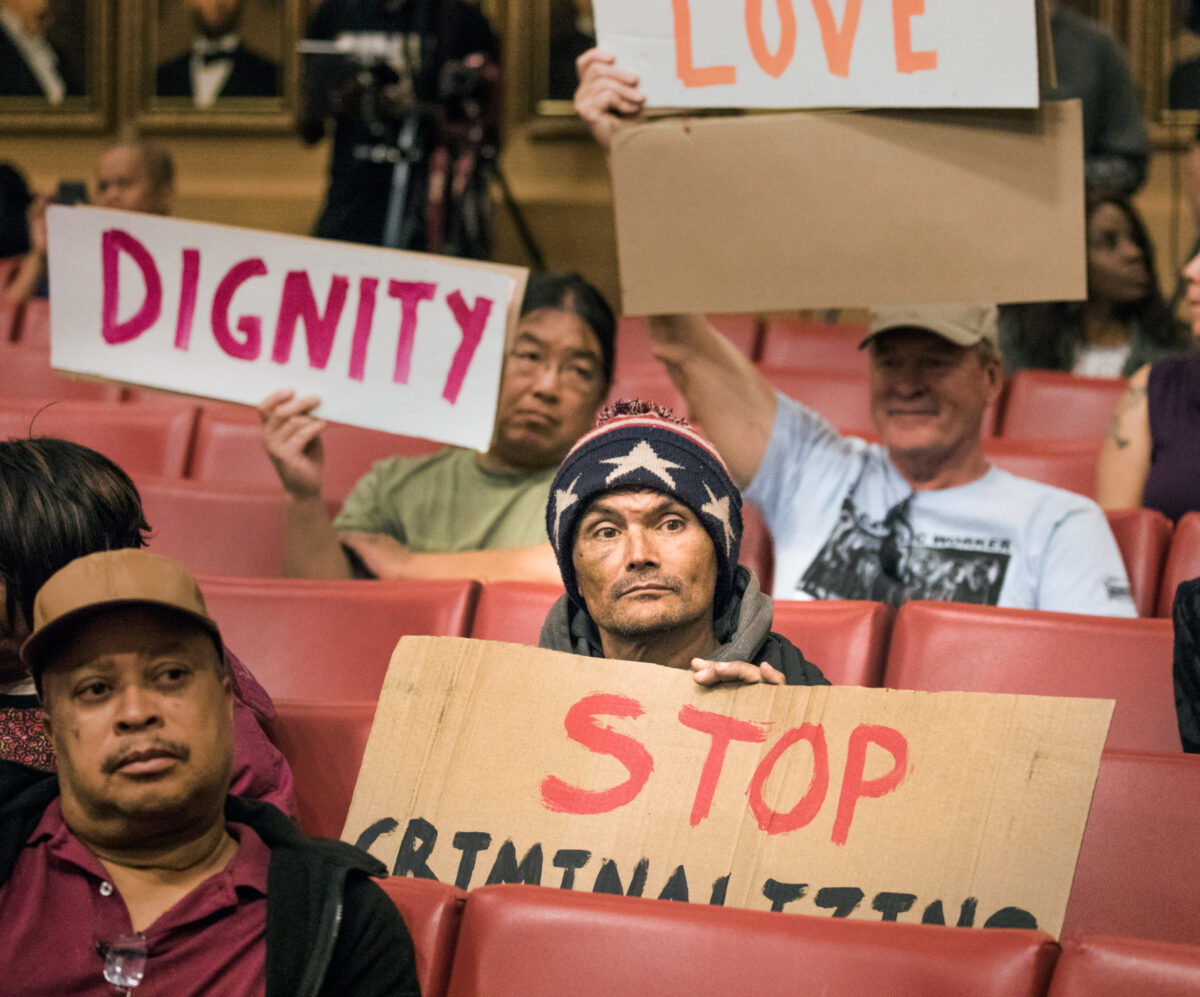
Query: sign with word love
[498, 763]
[826, 53]
[404, 342]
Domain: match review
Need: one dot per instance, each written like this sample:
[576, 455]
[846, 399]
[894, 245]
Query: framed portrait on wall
[214, 64]
[1173, 61]
[55, 65]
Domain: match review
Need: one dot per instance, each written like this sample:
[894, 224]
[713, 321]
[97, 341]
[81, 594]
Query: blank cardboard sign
[492, 762]
[807, 210]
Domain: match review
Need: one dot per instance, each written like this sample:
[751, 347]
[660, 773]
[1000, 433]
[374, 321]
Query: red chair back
[215, 530]
[650, 383]
[158, 446]
[541, 942]
[324, 745]
[1143, 537]
[634, 353]
[332, 640]
[25, 372]
[229, 447]
[846, 639]
[1137, 873]
[797, 342]
[513, 611]
[1066, 463]
[1104, 966]
[33, 329]
[432, 911]
[1183, 560]
[1043, 404]
[842, 397]
[758, 546]
[939, 646]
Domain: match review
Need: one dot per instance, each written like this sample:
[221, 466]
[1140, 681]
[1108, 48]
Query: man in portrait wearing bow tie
[218, 64]
[30, 66]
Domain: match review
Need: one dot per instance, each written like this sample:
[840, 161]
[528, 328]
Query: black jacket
[330, 930]
[1186, 614]
[743, 631]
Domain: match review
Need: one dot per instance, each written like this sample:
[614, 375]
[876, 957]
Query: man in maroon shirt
[135, 862]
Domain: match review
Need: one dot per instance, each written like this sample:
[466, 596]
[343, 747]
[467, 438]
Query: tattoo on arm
[1131, 398]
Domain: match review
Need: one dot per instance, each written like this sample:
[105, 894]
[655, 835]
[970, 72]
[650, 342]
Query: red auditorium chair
[634, 354]
[1044, 404]
[758, 547]
[331, 640]
[651, 383]
[1143, 536]
[229, 447]
[1065, 463]
[324, 744]
[215, 529]
[846, 639]
[938, 646]
[432, 912]
[813, 345]
[513, 611]
[1183, 560]
[1106, 966]
[34, 326]
[158, 446]
[25, 372]
[1137, 873]
[542, 942]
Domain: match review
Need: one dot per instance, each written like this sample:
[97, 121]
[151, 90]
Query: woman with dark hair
[1123, 324]
[60, 501]
[457, 513]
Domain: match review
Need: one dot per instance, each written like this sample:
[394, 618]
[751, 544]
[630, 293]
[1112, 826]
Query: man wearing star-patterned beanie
[646, 526]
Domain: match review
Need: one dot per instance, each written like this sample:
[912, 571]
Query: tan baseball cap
[961, 324]
[107, 580]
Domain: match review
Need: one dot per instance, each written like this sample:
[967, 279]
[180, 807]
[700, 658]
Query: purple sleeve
[260, 772]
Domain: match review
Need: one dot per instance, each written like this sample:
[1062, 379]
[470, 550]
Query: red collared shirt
[59, 908]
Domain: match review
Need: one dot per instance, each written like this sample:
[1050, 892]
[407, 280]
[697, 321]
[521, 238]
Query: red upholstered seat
[215, 529]
[1183, 560]
[141, 445]
[634, 353]
[324, 744]
[843, 397]
[846, 639]
[332, 640]
[543, 942]
[1043, 404]
[1143, 536]
[758, 546]
[513, 611]
[807, 343]
[1065, 463]
[25, 372]
[34, 326]
[939, 646]
[1137, 872]
[1103, 966]
[229, 447]
[432, 912]
[649, 383]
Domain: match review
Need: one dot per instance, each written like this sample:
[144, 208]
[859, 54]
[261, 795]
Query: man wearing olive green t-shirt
[457, 513]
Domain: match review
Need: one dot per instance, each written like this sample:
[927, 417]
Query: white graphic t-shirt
[848, 526]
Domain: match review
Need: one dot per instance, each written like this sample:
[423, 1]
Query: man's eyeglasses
[575, 373]
[124, 962]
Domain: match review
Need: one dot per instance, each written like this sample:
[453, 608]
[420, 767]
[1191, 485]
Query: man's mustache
[638, 581]
[173, 749]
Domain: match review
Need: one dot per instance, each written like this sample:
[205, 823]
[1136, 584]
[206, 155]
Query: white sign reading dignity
[826, 53]
[404, 342]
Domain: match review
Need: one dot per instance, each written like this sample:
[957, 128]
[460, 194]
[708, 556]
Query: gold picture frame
[80, 34]
[172, 88]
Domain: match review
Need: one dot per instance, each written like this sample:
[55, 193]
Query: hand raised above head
[292, 437]
[710, 673]
[605, 93]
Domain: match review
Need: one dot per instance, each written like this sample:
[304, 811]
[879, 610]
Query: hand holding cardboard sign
[605, 91]
[292, 437]
[711, 673]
